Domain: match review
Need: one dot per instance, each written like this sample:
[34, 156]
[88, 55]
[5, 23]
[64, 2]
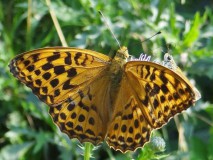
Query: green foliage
[26, 129]
[153, 149]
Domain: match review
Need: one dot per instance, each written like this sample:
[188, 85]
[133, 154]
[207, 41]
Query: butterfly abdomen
[116, 72]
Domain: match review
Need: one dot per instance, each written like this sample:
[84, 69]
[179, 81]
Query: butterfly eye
[167, 57]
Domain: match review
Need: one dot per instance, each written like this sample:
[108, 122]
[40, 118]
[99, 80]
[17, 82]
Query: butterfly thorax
[122, 55]
[116, 70]
[119, 60]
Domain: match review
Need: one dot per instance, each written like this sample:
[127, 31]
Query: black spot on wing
[77, 56]
[54, 82]
[71, 72]
[68, 59]
[47, 66]
[59, 70]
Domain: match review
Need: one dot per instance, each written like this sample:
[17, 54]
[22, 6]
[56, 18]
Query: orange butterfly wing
[150, 94]
[74, 83]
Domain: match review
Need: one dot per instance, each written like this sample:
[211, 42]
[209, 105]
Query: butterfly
[93, 97]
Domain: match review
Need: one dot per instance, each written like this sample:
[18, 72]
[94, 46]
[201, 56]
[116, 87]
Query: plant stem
[88, 145]
[87, 151]
[29, 23]
[56, 24]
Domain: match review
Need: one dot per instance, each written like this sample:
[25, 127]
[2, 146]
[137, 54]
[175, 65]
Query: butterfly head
[169, 62]
[122, 53]
[168, 58]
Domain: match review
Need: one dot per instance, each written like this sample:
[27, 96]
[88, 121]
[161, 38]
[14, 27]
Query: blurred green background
[26, 129]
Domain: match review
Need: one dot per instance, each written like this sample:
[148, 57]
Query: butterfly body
[117, 63]
[93, 97]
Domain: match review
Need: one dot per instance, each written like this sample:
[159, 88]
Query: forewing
[161, 91]
[54, 74]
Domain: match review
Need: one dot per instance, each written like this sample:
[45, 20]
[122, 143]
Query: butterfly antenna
[151, 37]
[105, 21]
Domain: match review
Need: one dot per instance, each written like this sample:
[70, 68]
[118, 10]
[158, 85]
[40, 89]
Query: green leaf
[197, 149]
[42, 139]
[194, 31]
[15, 151]
[203, 67]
